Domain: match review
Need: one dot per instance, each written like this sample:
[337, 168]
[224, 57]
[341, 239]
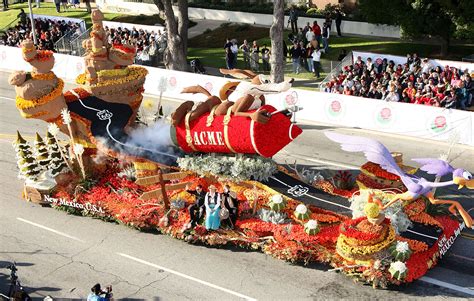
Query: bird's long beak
[463, 182]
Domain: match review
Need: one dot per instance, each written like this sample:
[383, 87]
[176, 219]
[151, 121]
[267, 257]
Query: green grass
[9, 16]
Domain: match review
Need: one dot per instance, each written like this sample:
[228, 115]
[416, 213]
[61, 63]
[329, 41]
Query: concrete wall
[347, 27]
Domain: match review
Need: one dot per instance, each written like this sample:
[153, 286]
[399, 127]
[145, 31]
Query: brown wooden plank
[174, 176]
[154, 194]
[177, 186]
[147, 181]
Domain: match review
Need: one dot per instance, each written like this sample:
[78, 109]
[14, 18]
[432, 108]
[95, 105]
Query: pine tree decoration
[57, 163]
[29, 168]
[41, 152]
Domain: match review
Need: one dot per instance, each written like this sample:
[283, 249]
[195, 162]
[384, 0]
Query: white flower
[277, 199]
[66, 116]
[78, 149]
[301, 209]
[311, 224]
[53, 129]
[398, 266]
[402, 247]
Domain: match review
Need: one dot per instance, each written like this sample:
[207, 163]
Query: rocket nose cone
[294, 131]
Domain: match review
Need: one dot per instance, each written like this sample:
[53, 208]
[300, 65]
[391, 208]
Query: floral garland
[23, 104]
[415, 245]
[348, 229]
[348, 249]
[416, 212]
[373, 169]
[43, 76]
[113, 72]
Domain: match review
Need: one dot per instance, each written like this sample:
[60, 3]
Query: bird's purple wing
[373, 150]
[433, 166]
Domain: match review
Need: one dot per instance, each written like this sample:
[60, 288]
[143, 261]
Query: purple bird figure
[377, 153]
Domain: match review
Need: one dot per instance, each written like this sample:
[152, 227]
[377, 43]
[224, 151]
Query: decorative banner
[384, 115]
[335, 109]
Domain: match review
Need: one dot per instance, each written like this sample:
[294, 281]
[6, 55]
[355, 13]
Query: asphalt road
[63, 255]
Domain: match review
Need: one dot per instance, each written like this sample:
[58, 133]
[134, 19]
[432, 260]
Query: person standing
[265, 58]
[22, 16]
[57, 3]
[309, 57]
[229, 57]
[317, 61]
[5, 4]
[229, 201]
[64, 3]
[88, 5]
[245, 47]
[317, 32]
[235, 51]
[295, 53]
[293, 19]
[254, 56]
[196, 210]
[338, 22]
[325, 35]
[212, 202]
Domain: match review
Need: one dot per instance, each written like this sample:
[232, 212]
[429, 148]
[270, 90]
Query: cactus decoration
[302, 212]
[398, 270]
[311, 227]
[277, 203]
[400, 251]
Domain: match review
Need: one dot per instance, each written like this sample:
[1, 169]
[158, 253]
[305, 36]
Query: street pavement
[63, 255]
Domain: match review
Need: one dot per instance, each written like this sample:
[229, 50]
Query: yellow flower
[148, 103]
[372, 210]
[365, 250]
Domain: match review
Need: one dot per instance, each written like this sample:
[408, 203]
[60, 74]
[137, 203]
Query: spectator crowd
[417, 81]
[150, 45]
[48, 31]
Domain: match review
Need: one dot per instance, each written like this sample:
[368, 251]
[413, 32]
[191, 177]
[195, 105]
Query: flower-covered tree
[41, 153]
[57, 163]
[27, 164]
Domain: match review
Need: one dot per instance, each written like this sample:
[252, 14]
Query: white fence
[398, 118]
[347, 27]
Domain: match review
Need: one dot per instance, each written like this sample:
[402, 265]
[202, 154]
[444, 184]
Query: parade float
[388, 230]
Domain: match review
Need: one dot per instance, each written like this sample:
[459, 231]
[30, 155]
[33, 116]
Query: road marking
[49, 229]
[187, 277]
[7, 98]
[327, 162]
[450, 286]
[418, 233]
[314, 197]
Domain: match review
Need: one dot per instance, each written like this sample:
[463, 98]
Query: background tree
[57, 162]
[41, 152]
[277, 60]
[175, 57]
[443, 19]
[29, 168]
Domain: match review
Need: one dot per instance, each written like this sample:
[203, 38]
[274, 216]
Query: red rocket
[236, 134]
